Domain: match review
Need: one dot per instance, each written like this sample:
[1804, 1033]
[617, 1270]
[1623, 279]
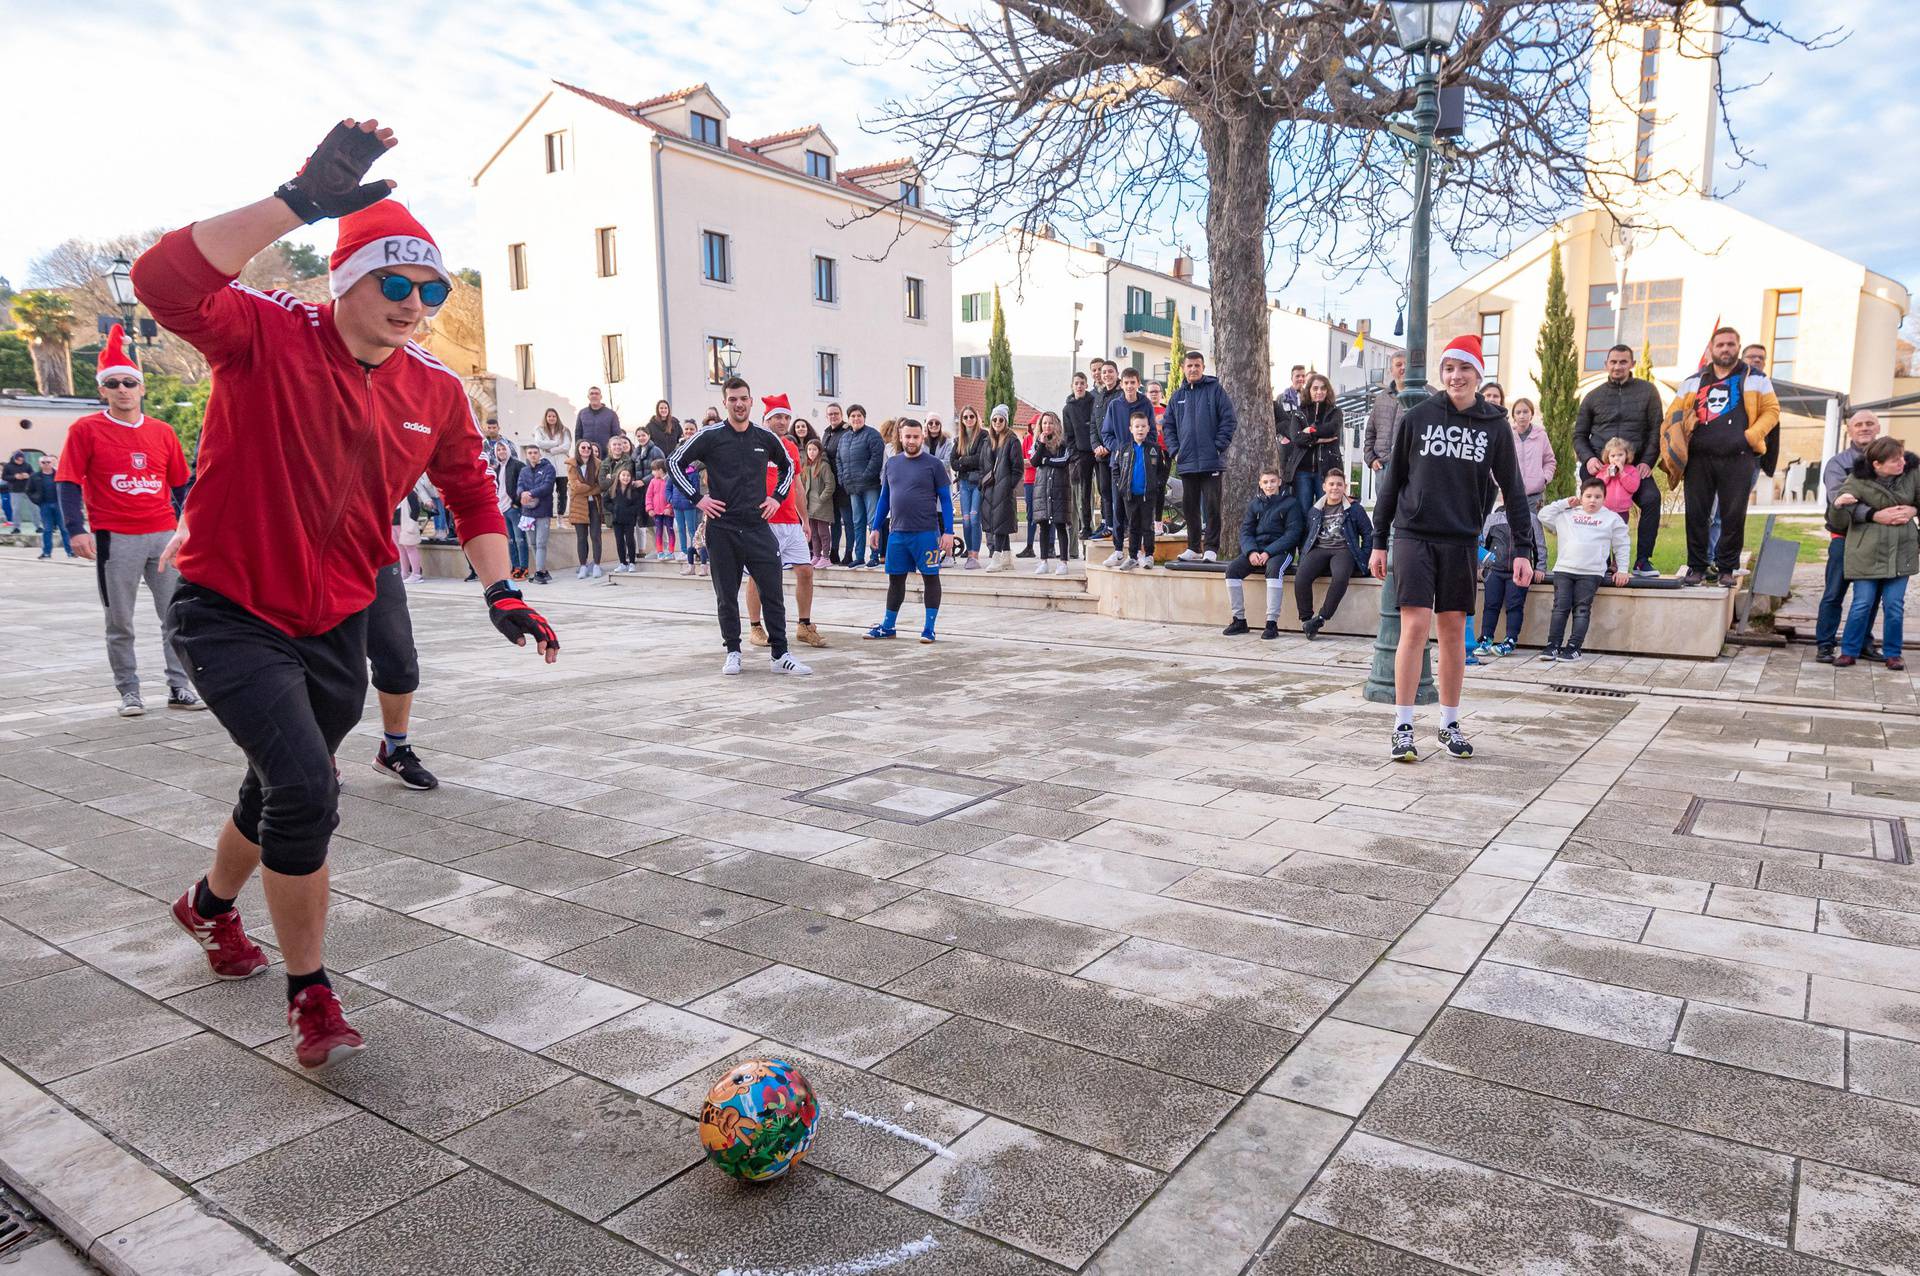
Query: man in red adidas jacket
[335, 405]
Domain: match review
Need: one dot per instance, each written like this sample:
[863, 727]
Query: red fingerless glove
[513, 618]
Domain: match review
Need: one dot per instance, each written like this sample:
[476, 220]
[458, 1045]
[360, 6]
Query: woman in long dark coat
[1001, 464]
[1052, 509]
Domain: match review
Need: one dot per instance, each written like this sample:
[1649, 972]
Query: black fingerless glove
[331, 183]
[512, 617]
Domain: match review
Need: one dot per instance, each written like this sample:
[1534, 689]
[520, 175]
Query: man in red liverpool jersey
[336, 402]
[127, 471]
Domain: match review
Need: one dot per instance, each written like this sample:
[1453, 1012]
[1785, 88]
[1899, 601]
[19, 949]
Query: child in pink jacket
[660, 510]
[1621, 474]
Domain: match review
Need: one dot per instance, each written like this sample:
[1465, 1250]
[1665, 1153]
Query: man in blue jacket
[1199, 427]
[1269, 535]
[1115, 438]
[857, 471]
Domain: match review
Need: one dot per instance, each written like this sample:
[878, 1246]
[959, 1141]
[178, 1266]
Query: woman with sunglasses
[584, 507]
[966, 484]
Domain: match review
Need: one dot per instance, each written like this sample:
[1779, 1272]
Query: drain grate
[15, 1227]
[1567, 688]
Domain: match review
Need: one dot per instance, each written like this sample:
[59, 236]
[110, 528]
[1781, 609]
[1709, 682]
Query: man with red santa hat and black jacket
[336, 402]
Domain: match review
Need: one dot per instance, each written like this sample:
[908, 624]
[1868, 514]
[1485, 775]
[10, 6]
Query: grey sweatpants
[122, 561]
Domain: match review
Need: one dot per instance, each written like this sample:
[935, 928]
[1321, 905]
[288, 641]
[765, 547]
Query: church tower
[1655, 107]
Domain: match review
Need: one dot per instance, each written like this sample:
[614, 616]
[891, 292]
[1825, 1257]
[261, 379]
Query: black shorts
[390, 650]
[1440, 575]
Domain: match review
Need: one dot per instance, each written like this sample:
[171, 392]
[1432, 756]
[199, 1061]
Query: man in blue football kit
[916, 506]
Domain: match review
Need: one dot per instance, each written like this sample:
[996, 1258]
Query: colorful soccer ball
[758, 1119]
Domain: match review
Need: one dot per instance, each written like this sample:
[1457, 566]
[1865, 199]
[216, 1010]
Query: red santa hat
[1467, 350]
[772, 403]
[382, 234]
[115, 360]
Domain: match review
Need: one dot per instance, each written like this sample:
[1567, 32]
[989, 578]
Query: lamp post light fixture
[1424, 29]
[729, 357]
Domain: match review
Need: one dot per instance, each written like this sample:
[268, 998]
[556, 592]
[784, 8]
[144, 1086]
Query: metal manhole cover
[1815, 830]
[904, 794]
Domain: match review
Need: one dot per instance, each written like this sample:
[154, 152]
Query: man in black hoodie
[1448, 454]
[1077, 417]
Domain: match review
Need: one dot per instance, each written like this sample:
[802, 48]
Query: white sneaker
[1209, 557]
[787, 664]
[1146, 562]
[992, 564]
[732, 664]
[1046, 565]
[1060, 567]
[1114, 559]
[130, 705]
[1188, 556]
[580, 572]
[1125, 565]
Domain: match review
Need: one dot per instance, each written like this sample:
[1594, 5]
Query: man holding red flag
[336, 402]
[127, 470]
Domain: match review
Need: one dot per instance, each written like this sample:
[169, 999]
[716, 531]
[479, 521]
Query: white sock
[1402, 716]
[1449, 715]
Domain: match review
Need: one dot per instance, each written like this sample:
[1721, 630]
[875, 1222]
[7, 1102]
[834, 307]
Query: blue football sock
[893, 618]
[394, 741]
[932, 614]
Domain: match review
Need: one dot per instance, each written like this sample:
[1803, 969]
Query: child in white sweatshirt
[1586, 532]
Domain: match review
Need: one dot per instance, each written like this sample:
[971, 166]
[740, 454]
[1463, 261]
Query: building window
[613, 357]
[1650, 321]
[910, 194]
[916, 385]
[820, 165]
[1786, 335]
[717, 366]
[916, 298]
[1139, 362]
[826, 281]
[1139, 301]
[1489, 344]
[1643, 149]
[1599, 327]
[976, 307]
[705, 129]
[716, 257]
[516, 266]
[1193, 312]
[1649, 64]
[606, 260]
[974, 365]
[826, 374]
[557, 152]
[523, 366]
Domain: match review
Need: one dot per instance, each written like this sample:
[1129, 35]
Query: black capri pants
[390, 649]
[288, 703]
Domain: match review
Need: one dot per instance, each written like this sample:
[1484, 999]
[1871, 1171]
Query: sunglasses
[118, 383]
[433, 292]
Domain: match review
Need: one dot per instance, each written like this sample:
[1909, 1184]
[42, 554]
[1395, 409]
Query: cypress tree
[1559, 380]
[1000, 365]
[1178, 357]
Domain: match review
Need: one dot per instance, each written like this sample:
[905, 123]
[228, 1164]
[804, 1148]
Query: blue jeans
[1891, 594]
[516, 540]
[1504, 598]
[6, 504]
[969, 492]
[1306, 488]
[860, 507]
[50, 518]
[1833, 598]
[1713, 533]
[686, 526]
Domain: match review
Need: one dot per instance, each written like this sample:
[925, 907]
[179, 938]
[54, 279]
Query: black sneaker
[1311, 627]
[1025, 553]
[1693, 577]
[1645, 569]
[1403, 750]
[1454, 741]
[1571, 653]
[1238, 625]
[404, 765]
[1271, 631]
[1872, 652]
[1823, 655]
[1713, 574]
[1550, 655]
[181, 698]
[542, 578]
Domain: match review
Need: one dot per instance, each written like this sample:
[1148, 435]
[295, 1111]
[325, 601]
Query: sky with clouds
[204, 104]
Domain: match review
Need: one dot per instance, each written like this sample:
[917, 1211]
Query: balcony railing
[1158, 325]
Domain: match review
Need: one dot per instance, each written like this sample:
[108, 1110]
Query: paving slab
[1046, 942]
[789, 881]
[1884, 1066]
[660, 965]
[1313, 905]
[522, 921]
[648, 1048]
[1223, 985]
[1789, 1047]
[1859, 1219]
[691, 908]
[1740, 984]
[1722, 1255]
[827, 945]
[1303, 1245]
[1397, 996]
[1338, 1066]
[1584, 914]
[829, 1016]
[1563, 1001]
[502, 994]
[72, 1020]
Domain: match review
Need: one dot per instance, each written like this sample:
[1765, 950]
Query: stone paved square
[1189, 982]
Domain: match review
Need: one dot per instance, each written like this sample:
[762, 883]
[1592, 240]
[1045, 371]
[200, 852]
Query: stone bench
[1688, 623]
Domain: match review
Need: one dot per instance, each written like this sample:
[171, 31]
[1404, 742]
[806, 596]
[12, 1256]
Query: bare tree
[1271, 118]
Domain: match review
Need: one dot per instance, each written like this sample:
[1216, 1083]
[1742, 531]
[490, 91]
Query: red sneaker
[321, 1033]
[231, 954]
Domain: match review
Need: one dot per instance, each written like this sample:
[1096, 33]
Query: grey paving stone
[840, 1020]
[1770, 908]
[1776, 1113]
[1722, 1255]
[1397, 996]
[63, 907]
[573, 830]
[66, 1022]
[1584, 914]
[1486, 1221]
[1649, 889]
[1338, 1066]
[942, 835]
[1362, 877]
[1790, 1047]
[501, 993]
[1883, 1066]
[672, 902]
[807, 885]
[1193, 850]
[359, 933]
[1791, 950]
[1312, 905]
[828, 946]
[1872, 890]
[1481, 897]
[426, 1074]
[54, 825]
[1143, 1115]
[1045, 942]
[1204, 1222]
[1859, 1219]
[23, 957]
[1303, 1246]
[1578, 1005]
[1036, 821]
[302, 1192]
[659, 964]
[1728, 983]
[254, 1011]
[1445, 943]
[872, 857]
[1049, 1197]
[1889, 1011]
[810, 1222]
[1212, 1049]
[1688, 1176]
[24, 865]
[140, 1101]
[551, 870]
[844, 1144]
[678, 854]
[1088, 863]
[1206, 981]
[523, 921]
[404, 885]
[141, 856]
[649, 1048]
[1881, 926]
[1701, 865]
[584, 1146]
[156, 956]
[473, 1223]
[981, 879]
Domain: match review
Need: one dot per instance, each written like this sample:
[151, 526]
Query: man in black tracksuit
[737, 505]
[1625, 407]
[1105, 390]
[1448, 455]
[1077, 417]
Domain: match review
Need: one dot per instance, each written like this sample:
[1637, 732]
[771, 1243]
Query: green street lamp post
[1424, 28]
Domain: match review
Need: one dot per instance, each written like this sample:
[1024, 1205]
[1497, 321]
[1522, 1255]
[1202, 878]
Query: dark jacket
[1052, 492]
[1113, 426]
[1310, 439]
[1631, 412]
[42, 489]
[664, 435]
[596, 426]
[1382, 420]
[678, 497]
[998, 470]
[1358, 529]
[1158, 463]
[1446, 464]
[537, 480]
[628, 506]
[1272, 525]
[1497, 538]
[1199, 426]
[16, 472]
[1101, 398]
[1876, 551]
[856, 467]
[1076, 415]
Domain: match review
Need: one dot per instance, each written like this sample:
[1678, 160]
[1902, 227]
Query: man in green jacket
[1876, 509]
